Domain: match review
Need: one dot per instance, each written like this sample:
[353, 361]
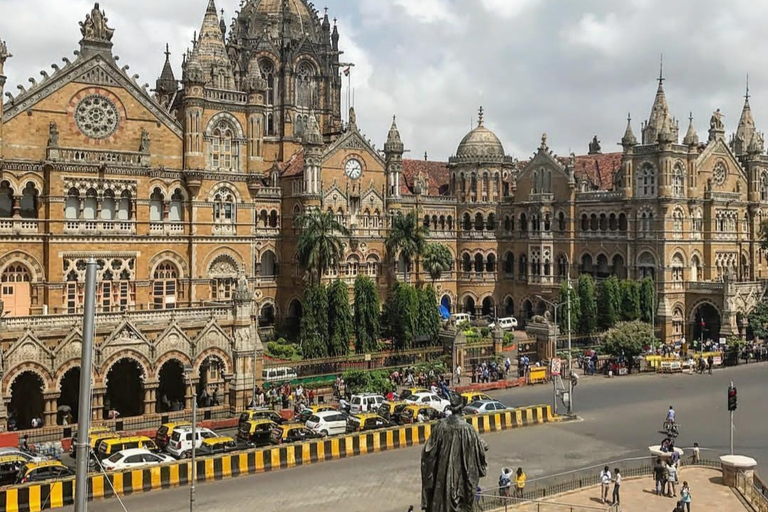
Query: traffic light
[732, 398]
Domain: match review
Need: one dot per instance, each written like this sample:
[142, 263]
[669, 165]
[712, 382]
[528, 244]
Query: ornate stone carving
[96, 116]
[716, 121]
[145, 141]
[95, 27]
[53, 135]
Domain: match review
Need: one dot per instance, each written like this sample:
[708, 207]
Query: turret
[628, 142]
[4, 55]
[660, 122]
[393, 155]
[313, 154]
[255, 85]
[691, 137]
[746, 129]
[166, 87]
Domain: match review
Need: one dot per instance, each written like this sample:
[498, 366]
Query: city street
[620, 418]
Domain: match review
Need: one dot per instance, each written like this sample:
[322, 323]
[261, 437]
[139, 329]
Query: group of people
[506, 480]
[284, 396]
[666, 477]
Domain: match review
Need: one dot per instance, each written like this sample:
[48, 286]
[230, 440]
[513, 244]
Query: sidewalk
[637, 495]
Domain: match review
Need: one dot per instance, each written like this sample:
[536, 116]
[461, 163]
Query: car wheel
[324, 433]
[447, 407]
[187, 454]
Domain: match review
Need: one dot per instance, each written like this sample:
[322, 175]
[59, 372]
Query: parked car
[327, 423]
[508, 323]
[112, 445]
[9, 468]
[134, 458]
[27, 455]
[365, 402]
[260, 414]
[460, 318]
[279, 374]
[473, 396]
[180, 445]
[165, 431]
[305, 413]
[418, 413]
[391, 410]
[292, 433]
[431, 399]
[93, 433]
[256, 432]
[485, 406]
[39, 471]
[217, 445]
[366, 421]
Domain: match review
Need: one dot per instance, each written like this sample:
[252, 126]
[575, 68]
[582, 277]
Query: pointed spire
[629, 139]
[223, 26]
[394, 143]
[691, 137]
[210, 53]
[746, 128]
[167, 82]
[211, 7]
[326, 21]
[660, 121]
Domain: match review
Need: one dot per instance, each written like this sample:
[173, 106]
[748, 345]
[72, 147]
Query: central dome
[480, 142]
[261, 16]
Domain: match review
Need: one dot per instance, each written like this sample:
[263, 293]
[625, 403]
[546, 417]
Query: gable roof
[294, 166]
[598, 168]
[435, 173]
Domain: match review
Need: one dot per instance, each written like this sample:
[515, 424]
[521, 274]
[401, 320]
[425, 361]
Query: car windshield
[314, 419]
[176, 436]
[478, 404]
[209, 434]
[116, 457]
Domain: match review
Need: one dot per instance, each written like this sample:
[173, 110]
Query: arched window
[267, 69]
[677, 270]
[622, 222]
[764, 186]
[612, 222]
[90, 205]
[593, 222]
[450, 222]
[273, 219]
[490, 263]
[646, 266]
[156, 206]
[224, 207]
[176, 209]
[426, 221]
[646, 181]
[268, 265]
[491, 225]
[509, 263]
[372, 266]
[305, 86]
[586, 264]
[6, 200]
[223, 273]
[507, 224]
[125, 208]
[479, 223]
[523, 223]
[467, 224]
[678, 181]
[584, 222]
[29, 202]
[71, 205]
[466, 263]
[15, 291]
[547, 223]
[353, 265]
[165, 286]
[523, 266]
[108, 205]
[561, 221]
[677, 223]
[479, 263]
[562, 266]
[223, 148]
[696, 274]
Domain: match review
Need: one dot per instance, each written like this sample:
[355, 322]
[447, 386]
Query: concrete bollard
[734, 464]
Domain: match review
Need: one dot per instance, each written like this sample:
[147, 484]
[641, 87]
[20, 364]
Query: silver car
[486, 406]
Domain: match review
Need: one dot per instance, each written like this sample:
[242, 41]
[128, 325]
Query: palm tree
[320, 242]
[436, 260]
[407, 237]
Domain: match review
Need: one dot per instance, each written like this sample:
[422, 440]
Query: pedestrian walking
[458, 374]
[616, 487]
[24, 443]
[685, 496]
[519, 482]
[605, 483]
[505, 482]
[671, 478]
[696, 454]
[658, 476]
[710, 363]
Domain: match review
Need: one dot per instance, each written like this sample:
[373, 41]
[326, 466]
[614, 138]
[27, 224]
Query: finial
[690, 117]
[480, 117]
[325, 9]
[334, 21]
[222, 13]
[629, 117]
[746, 96]
[167, 51]
[426, 158]
[661, 69]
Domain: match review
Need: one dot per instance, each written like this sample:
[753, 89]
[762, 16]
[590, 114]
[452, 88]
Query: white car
[327, 423]
[508, 323]
[30, 456]
[134, 458]
[180, 445]
[365, 402]
[430, 399]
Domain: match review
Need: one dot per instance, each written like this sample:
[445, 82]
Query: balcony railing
[167, 228]
[98, 156]
[100, 226]
[226, 96]
[18, 226]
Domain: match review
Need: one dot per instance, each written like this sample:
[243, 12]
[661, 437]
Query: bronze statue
[452, 462]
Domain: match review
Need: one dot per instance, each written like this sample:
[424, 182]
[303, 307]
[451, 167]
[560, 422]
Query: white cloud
[603, 35]
[508, 9]
[427, 11]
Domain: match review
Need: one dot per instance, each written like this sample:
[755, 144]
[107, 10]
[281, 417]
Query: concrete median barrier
[56, 494]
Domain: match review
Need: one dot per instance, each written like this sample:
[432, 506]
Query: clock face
[353, 169]
[718, 174]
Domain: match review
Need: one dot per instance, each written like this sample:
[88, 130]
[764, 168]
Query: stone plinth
[734, 464]
[657, 453]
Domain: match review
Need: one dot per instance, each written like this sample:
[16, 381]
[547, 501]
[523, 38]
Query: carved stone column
[49, 416]
[97, 402]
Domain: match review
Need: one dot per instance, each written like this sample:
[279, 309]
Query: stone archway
[211, 386]
[489, 307]
[69, 396]
[27, 399]
[125, 388]
[172, 388]
[469, 305]
[509, 307]
[705, 322]
[446, 302]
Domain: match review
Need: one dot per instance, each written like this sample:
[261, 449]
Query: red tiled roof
[436, 174]
[294, 166]
[598, 168]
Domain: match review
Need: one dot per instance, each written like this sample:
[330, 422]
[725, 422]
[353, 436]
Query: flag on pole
[346, 71]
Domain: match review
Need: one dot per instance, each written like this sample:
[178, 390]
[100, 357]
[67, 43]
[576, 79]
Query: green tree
[407, 237]
[367, 311]
[628, 339]
[630, 300]
[575, 312]
[757, 321]
[314, 322]
[429, 314]
[401, 312]
[321, 242]
[647, 300]
[436, 260]
[339, 319]
[588, 303]
[609, 303]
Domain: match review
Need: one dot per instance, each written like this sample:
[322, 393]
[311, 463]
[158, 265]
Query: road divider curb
[56, 494]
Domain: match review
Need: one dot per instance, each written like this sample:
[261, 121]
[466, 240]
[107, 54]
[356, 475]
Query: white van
[327, 423]
[461, 317]
[508, 323]
[366, 402]
[278, 374]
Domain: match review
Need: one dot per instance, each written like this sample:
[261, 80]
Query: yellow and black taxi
[39, 471]
[260, 414]
[473, 396]
[292, 433]
[217, 445]
[93, 434]
[416, 413]
[256, 432]
[366, 421]
[307, 412]
[165, 431]
[391, 410]
[112, 445]
[9, 468]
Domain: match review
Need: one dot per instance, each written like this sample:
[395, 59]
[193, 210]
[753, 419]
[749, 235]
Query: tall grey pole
[194, 460]
[554, 381]
[83, 445]
[570, 356]
[731, 387]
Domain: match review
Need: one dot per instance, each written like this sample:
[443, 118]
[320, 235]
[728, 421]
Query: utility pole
[732, 404]
[84, 414]
[570, 356]
[193, 459]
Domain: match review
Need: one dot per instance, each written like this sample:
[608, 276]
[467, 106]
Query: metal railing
[495, 503]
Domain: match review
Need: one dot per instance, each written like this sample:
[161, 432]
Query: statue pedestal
[734, 464]
[665, 456]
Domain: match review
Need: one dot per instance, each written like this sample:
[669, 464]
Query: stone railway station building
[186, 195]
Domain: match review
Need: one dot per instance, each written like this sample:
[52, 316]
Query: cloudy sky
[571, 69]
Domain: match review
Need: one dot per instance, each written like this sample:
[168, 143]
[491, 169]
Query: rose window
[96, 116]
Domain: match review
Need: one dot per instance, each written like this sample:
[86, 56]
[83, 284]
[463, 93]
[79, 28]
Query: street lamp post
[193, 470]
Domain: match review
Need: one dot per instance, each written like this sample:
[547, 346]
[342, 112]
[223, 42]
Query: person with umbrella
[65, 413]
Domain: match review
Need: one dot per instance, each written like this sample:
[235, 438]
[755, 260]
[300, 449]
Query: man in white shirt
[616, 487]
[458, 374]
[605, 483]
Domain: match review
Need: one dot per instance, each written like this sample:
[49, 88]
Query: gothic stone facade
[186, 196]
